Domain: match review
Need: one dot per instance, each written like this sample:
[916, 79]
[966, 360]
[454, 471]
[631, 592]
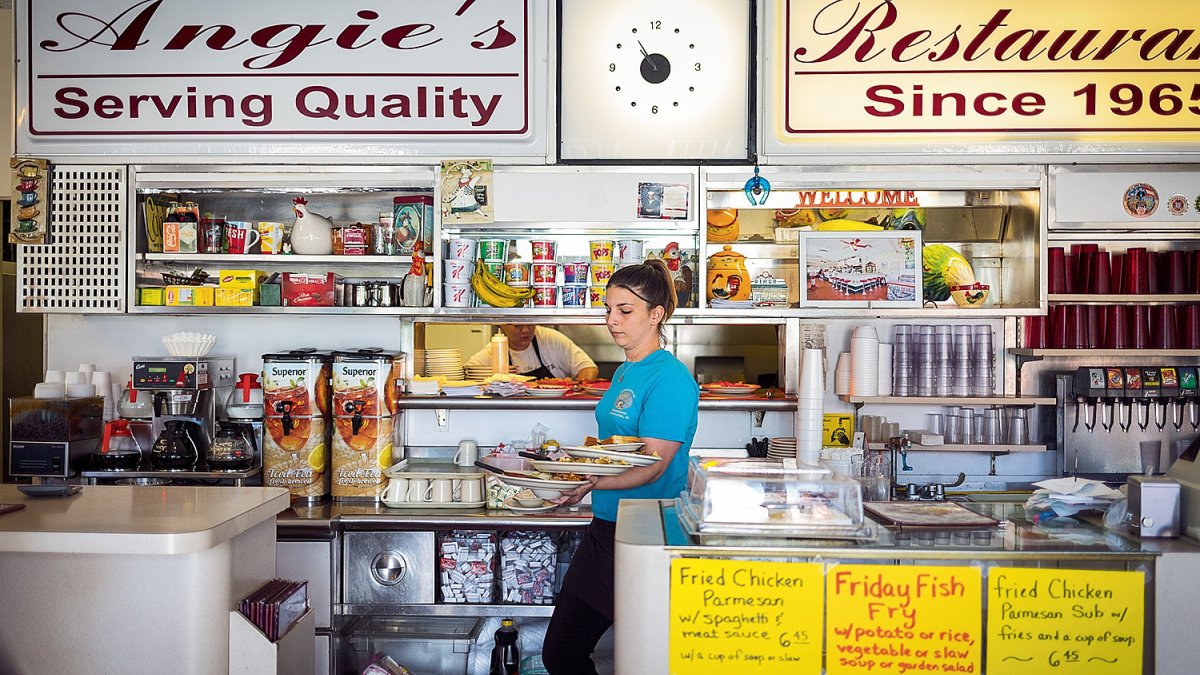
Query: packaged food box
[236, 297]
[152, 296]
[190, 296]
[248, 279]
[310, 290]
[412, 222]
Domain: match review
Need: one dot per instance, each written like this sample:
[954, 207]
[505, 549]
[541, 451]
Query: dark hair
[652, 282]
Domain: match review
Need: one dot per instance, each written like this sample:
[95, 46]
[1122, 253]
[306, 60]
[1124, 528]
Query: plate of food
[614, 443]
[730, 388]
[596, 388]
[596, 452]
[546, 391]
[584, 466]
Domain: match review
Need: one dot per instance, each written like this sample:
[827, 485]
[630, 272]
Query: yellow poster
[740, 616]
[1065, 621]
[903, 619]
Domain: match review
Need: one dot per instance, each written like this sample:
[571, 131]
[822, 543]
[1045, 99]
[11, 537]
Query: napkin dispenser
[1154, 506]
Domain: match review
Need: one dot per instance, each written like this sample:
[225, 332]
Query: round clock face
[655, 67]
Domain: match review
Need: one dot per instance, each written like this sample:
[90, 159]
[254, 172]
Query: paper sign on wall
[746, 617]
[902, 619]
[1065, 621]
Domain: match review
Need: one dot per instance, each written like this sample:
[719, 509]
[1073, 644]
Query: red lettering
[78, 108]
[862, 28]
[909, 40]
[394, 37]
[877, 94]
[304, 37]
[1028, 104]
[982, 109]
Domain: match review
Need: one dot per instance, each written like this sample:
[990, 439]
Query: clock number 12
[656, 25]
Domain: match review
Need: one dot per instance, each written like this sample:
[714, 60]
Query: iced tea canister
[362, 423]
[295, 438]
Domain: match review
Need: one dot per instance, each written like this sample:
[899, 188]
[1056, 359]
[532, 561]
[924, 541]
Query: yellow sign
[1065, 621]
[838, 430]
[739, 616]
[903, 71]
[903, 619]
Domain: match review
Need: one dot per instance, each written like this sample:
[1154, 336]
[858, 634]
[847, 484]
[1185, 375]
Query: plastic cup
[1101, 277]
[1189, 327]
[75, 377]
[1094, 318]
[1033, 332]
[1174, 271]
[1139, 327]
[1136, 271]
[54, 376]
[1057, 269]
[1116, 327]
[1118, 273]
[1150, 453]
[1164, 321]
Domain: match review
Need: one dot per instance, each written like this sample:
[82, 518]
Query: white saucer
[512, 505]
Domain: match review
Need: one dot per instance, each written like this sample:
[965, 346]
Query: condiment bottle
[506, 655]
[499, 353]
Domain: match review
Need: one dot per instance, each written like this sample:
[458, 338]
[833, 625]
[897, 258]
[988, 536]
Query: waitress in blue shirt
[654, 397]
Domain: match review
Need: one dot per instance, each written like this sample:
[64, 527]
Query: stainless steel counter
[323, 521]
[787, 404]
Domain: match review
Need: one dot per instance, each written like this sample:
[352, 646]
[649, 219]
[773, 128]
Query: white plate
[619, 447]
[593, 452]
[733, 391]
[547, 393]
[512, 505]
[584, 468]
[542, 484]
[595, 392]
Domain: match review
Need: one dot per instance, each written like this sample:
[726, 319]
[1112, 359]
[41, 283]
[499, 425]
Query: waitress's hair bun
[651, 281]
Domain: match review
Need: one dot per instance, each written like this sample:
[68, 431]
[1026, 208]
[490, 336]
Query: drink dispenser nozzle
[356, 420]
[1133, 390]
[1152, 398]
[285, 407]
[1089, 390]
[1189, 392]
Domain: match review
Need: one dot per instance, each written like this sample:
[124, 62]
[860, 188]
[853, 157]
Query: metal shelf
[999, 449]
[1016, 401]
[455, 610]
[574, 403]
[1108, 299]
[1102, 353]
[289, 259]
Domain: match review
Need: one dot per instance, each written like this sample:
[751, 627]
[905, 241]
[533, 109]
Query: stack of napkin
[424, 386]
[462, 388]
[1068, 496]
[504, 388]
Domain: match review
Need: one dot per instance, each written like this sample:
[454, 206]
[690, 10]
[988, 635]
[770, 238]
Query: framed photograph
[879, 268]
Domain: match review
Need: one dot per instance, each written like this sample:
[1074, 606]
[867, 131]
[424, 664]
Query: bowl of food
[970, 295]
[528, 499]
[545, 493]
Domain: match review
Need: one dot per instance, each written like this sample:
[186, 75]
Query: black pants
[583, 610]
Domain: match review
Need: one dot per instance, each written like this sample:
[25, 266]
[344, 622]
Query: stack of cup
[864, 361]
[902, 361]
[53, 385]
[960, 372]
[926, 355]
[545, 273]
[885, 370]
[983, 375]
[841, 375]
[457, 270]
[575, 283]
[943, 359]
[629, 252]
[810, 403]
[103, 384]
[602, 267]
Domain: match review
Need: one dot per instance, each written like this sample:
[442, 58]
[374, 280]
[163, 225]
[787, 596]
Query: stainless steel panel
[311, 561]
[388, 568]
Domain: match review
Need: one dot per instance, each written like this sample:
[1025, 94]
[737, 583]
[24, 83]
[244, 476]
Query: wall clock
[654, 80]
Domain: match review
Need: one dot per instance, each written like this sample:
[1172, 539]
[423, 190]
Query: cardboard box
[236, 297]
[246, 279]
[270, 295]
[152, 296]
[310, 290]
[190, 296]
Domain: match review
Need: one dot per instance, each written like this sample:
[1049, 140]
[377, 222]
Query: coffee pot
[231, 450]
[175, 448]
[119, 450]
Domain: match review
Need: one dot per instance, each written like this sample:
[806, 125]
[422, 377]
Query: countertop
[324, 520]
[134, 519]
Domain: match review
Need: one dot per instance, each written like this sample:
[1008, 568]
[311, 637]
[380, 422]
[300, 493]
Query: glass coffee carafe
[175, 449]
[231, 449]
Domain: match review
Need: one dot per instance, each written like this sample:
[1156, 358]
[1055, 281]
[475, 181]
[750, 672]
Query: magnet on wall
[1177, 205]
[1140, 200]
[29, 222]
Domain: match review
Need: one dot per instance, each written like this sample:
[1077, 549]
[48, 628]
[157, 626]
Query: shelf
[978, 448]
[258, 310]
[1016, 401]
[235, 259]
[455, 610]
[1107, 299]
[576, 403]
[1103, 353]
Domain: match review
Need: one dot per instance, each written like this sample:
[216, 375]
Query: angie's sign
[1062, 68]
[185, 68]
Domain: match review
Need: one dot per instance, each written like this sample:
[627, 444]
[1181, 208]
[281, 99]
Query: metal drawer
[388, 568]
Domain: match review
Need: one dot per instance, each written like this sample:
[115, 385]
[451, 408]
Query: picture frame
[872, 269]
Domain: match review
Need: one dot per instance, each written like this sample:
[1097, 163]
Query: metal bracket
[759, 416]
[443, 418]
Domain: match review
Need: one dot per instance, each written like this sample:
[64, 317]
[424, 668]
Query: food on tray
[593, 460]
[611, 440]
[542, 475]
[553, 383]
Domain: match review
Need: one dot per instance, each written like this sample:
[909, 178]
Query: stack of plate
[781, 448]
[547, 392]
[479, 372]
[444, 363]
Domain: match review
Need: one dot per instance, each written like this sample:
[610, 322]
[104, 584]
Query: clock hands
[655, 68]
[646, 55]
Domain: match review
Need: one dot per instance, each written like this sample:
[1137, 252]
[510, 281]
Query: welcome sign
[167, 69]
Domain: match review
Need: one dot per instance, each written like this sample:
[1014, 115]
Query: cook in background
[653, 397]
[540, 352]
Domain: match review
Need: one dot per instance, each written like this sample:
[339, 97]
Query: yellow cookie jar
[723, 225]
[728, 278]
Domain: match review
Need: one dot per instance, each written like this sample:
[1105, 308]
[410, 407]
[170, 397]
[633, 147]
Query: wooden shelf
[953, 400]
[1124, 299]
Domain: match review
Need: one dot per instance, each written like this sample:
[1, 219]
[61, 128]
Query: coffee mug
[468, 453]
[396, 490]
[271, 237]
[441, 490]
[472, 491]
[418, 490]
[241, 237]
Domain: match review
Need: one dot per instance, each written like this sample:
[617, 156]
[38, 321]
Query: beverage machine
[1126, 419]
[53, 438]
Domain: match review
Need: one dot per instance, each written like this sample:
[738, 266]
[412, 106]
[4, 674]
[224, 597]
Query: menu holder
[275, 606]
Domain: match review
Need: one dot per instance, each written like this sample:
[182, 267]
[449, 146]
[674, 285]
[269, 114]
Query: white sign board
[364, 78]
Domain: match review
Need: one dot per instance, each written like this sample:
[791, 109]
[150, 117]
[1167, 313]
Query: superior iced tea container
[362, 423]
[296, 429]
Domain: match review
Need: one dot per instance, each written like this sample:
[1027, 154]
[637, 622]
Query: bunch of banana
[495, 292]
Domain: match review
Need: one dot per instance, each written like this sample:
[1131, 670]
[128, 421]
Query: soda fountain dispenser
[1189, 391]
[1114, 392]
[1089, 389]
[1153, 400]
[1171, 396]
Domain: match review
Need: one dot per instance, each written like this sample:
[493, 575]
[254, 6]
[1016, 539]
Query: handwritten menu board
[1065, 621]
[741, 616]
[903, 619]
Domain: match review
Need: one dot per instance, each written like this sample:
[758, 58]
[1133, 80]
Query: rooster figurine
[681, 273]
[312, 233]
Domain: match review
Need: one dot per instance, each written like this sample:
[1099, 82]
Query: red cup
[1164, 323]
[1139, 327]
[1095, 325]
[1118, 273]
[1189, 327]
[1136, 282]
[1072, 278]
[1116, 329]
[1056, 336]
[1033, 332]
[1155, 265]
[1076, 337]
[1194, 271]
[1101, 273]
[1057, 269]
[1083, 271]
[1174, 272]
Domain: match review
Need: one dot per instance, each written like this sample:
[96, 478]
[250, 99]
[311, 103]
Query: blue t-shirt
[652, 398]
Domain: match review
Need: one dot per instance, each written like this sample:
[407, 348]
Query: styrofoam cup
[81, 390]
[75, 377]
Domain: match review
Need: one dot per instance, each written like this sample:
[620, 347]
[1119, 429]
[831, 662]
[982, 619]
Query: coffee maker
[53, 438]
[187, 393]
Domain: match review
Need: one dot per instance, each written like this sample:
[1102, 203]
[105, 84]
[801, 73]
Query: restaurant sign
[249, 71]
[912, 71]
